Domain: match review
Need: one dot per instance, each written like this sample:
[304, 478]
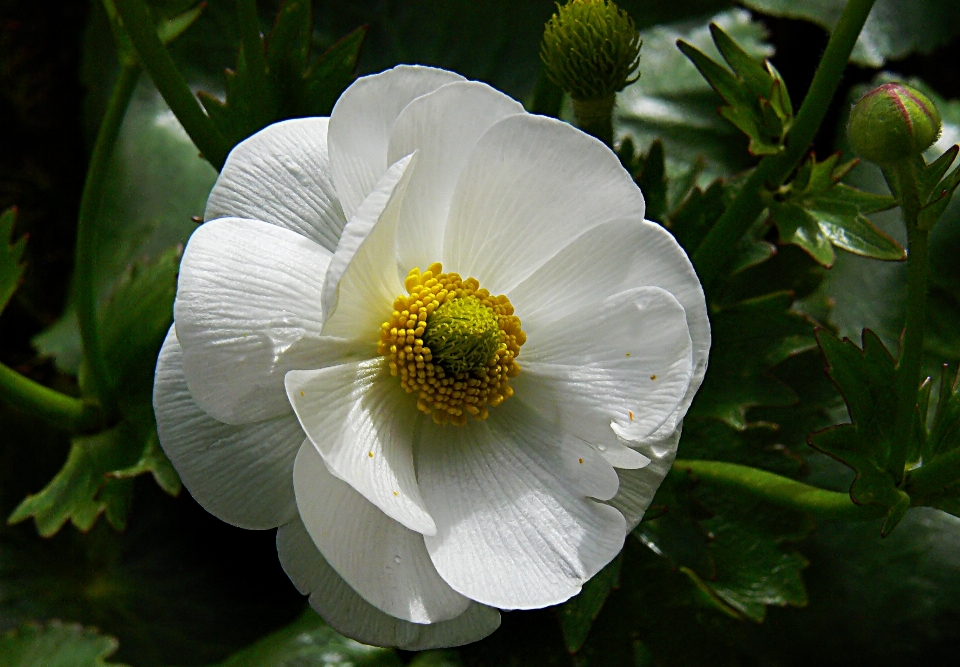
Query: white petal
[515, 526]
[384, 562]
[247, 311]
[241, 474]
[362, 280]
[442, 127]
[531, 185]
[637, 487]
[351, 615]
[609, 259]
[281, 175]
[621, 456]
[362, 423]
[623, 363]
[361, 123]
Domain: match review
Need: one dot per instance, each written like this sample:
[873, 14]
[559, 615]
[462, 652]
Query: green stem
[718, 248]
[87, 237]
[781, 491]
[911, 348]
[595, 117]
[72, 414]
[170, 82]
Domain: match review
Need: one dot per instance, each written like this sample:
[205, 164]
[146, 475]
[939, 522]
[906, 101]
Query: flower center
[453, 344]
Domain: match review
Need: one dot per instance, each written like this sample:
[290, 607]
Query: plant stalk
[170, 82]
[595, 117]
[88, 237]
[780, 491]
[59, 410]
[718, 248]
[911, 347]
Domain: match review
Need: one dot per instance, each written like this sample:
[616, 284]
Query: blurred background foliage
[710, 579]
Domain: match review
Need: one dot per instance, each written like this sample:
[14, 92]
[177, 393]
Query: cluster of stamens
[472, 371]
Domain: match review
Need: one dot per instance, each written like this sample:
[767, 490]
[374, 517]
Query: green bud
[463, 335]
[590, 49]
[893, 123]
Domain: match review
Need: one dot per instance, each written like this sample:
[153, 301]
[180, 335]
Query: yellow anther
[451, 396]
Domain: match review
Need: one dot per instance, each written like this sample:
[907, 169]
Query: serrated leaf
[757, 102]
[96, 477]
[819, 212]
[578, 614]
[691, 222]
[283, 83]
[309, 642]
[933, 172]
[942, 193]
[672, 102]
[867, 379]
[750, 338]
[56, 645]
[11, 270]
[135, 321]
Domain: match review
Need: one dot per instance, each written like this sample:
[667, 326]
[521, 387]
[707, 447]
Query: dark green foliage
[11, 270]
[96, 477]
[815, 211]
[749, 338]
[757, 100]
[867, 379]
[308, 642]
[578, 614]
[56, 645]
[283, 82]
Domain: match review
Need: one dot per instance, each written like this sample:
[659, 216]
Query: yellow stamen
[457, 383]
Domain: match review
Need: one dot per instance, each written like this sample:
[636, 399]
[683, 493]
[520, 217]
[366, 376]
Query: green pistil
[463, 335]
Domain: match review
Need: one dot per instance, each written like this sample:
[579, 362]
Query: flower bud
[891, 123]
[590, 49]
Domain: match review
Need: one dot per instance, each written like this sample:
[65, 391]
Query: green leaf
[867, 380]
[756, 97]
[672, 102]
[893, 30]
[799, 227]
[95, 479]
[135, 321]
[291, 86]
[578, 614]
[734, 550]
[441, 658]
[818, 212]
[56, 645]
[309, 642]
[692, 219]
[11, 270]
[749, 339]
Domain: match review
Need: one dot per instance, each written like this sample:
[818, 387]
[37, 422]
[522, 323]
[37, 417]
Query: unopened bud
[892, 123]
[591, 49]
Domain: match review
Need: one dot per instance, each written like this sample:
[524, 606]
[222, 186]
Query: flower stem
[57, 409]
[911, 347]
[780, 491]
[595, 117]
[717, 249]
[170, 82]
[87, 233]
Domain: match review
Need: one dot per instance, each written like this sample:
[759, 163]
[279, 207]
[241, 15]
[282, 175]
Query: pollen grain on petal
[453, 344]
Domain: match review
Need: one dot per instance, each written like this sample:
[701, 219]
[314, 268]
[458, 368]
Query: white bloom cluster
[295, 389]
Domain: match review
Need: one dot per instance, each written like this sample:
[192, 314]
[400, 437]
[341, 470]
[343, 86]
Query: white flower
[274, 394]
